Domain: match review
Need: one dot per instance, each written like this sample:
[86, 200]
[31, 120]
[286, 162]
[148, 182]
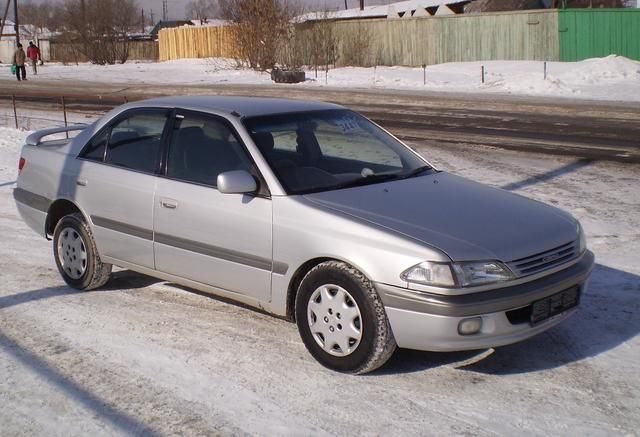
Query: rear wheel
[341, 319]
[76, 255]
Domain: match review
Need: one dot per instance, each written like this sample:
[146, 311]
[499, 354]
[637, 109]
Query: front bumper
[425, 321]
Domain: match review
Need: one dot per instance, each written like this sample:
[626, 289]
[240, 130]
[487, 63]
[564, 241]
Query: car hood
[464, 219]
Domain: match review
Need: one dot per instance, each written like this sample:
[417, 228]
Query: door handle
[82, 182]
[169, 203]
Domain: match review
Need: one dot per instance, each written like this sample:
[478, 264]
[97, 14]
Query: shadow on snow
[605, 319]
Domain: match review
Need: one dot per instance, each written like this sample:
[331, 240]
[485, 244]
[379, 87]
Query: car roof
[244, 106]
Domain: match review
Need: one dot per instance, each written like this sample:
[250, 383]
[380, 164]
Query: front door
[222, 240]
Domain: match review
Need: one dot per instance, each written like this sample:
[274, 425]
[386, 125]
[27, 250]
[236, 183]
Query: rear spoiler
[36, 138]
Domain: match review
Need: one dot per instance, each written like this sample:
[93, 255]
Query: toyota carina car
[309, 211]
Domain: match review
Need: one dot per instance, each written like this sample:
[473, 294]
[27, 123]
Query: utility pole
[165, 11]
[362, 5]
[153, 23]
[17, 21]
[142, 24]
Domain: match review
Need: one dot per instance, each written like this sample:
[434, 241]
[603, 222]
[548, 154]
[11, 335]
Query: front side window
[333, 149]
[135, 141]
[96, 148]
[201, 148]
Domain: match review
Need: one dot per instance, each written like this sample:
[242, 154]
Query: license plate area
[548, 307]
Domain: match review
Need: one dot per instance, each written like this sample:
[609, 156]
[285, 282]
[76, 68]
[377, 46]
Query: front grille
[545, 260]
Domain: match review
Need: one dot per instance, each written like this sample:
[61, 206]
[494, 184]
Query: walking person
[19, 57]
[33, 53]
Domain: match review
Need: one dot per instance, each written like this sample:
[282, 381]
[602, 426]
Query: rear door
[116, 184]
[222, 240]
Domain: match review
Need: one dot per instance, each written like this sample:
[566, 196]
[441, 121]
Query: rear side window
[135, 141]
[201, 148]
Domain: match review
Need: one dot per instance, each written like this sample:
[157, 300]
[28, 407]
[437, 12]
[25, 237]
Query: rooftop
[391, 10]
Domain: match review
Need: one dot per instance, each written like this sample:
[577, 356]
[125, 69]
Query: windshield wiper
[417, 171]
[367, 180]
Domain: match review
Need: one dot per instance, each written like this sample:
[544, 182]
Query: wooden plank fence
[522, 35]
[455, 38]
[196, 42]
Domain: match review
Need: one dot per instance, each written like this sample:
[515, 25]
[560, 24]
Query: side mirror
[236, 182]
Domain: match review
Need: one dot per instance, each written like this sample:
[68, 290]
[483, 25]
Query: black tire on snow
[287, 76]
[97, 273]
[377, 343]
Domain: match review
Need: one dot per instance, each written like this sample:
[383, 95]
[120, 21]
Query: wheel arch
[301, 272]
[58, 209]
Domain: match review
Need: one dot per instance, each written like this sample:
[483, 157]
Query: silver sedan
[309, 211]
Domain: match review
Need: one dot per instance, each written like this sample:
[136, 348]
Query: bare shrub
[67, 49]
[318, 42]
[355, 47]
[259, 28]
[290, 50]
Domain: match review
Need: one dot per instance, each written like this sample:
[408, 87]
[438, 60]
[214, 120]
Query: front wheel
[76, 255]
[341, 319]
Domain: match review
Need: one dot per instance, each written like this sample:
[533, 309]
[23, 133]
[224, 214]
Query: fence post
[64, 111]
[545, 70]
[482, 73]
[424, 73]
[15, 113]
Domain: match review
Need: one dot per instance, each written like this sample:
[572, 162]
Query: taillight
[21, 164]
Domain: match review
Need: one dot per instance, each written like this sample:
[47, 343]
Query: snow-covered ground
[145, 357]
[612, 78]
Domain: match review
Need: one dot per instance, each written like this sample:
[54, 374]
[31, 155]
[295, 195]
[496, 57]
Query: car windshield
[328, 150]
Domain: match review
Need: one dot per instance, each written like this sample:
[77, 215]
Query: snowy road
[599, 130]
[145, 357]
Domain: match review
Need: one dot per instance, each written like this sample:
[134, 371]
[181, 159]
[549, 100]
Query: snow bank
[613, 78]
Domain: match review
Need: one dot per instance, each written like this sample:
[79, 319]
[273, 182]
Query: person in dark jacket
[19, 57]
[33, 53]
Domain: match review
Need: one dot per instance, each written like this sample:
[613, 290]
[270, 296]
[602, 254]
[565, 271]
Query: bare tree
[39, 15]
[259, 28]
[201, 10]
[355, 48]
[101, 28]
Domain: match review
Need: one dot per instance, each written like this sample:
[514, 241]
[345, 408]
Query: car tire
[341, 319]
[76, 254]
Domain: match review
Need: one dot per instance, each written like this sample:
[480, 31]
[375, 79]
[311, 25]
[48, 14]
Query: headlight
[457, 274]
[481, 273]
[430, 273]
[582, 239]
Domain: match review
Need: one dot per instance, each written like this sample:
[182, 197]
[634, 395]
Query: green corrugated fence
[592, 33]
